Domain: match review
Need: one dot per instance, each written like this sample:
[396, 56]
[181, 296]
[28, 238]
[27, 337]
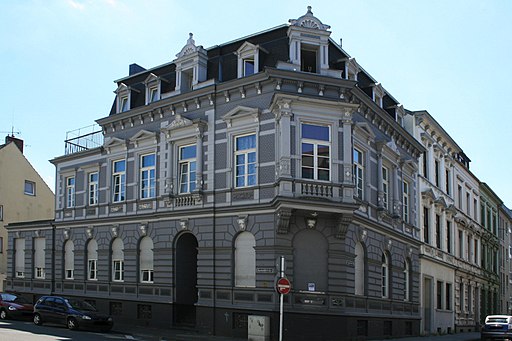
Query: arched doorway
[185, 277]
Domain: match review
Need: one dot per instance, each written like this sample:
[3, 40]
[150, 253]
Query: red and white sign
[283, 285]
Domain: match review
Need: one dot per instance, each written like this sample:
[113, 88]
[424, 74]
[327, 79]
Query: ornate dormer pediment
[179, 122]
[183, 127]
[241, 112]
[190, 47]
[365, 129]
[248, 47]
[113, 143]
[144, 135]
[122, 88]
[308, 20]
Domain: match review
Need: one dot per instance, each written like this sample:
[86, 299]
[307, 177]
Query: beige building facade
[24, 196]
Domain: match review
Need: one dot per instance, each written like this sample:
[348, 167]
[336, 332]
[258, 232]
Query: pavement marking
[129, 337]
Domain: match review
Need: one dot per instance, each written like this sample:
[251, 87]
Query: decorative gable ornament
[308, 20]
[241, 112]
[190, 47]
[114, 143]
[143, 136]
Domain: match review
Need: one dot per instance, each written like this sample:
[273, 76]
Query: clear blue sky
[58, 60]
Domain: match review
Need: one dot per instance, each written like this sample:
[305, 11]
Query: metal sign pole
[281, 300]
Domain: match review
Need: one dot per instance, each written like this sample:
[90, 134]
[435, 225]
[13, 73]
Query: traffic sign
[283, 285]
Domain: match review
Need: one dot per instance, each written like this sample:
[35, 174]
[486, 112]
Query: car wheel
[72, 324]
[3, 314]
[38, 320]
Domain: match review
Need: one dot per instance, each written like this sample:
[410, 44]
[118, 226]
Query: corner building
[213, 165]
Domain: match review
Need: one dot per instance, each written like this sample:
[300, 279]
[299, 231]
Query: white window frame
[123, 103]
[39, 257]
[149, 191]
[405, 201]
[316, 143]
[247, 51]
[244, 64]
[118, 191]
[70, 191]
[246, 164]
[93, 193]
[185, 177]
[153, 94]
[245, 260]
[39, 273]
[118, 270]
[32, 188]
[19, 269]
[385, 186]
[358, 173]
[69, 256]
[92, 269]
[146, 276]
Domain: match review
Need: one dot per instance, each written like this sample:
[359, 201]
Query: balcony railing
[83, 139]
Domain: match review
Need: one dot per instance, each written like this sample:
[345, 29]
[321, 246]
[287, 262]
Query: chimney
[16, 141]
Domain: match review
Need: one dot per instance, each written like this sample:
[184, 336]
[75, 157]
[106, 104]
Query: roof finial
[309, 10]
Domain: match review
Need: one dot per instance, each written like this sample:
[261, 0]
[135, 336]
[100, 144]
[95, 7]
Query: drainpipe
[214, 208]
[52, 287]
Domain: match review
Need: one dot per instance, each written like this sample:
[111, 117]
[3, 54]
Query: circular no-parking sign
[283, 285]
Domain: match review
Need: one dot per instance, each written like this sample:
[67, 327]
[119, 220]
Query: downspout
[214, 208]
[52, 287]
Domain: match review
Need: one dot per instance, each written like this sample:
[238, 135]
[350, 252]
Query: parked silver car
[497, 327]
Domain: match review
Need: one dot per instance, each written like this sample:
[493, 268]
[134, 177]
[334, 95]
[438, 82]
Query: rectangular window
[448, 182]
[1, 212]
[405, 201]
[30, 188]
[118, 270]
[248, 66]
[153, 94]
[461, 297]
[436, 169]
[39, 273]
[459, 196]
[245, 160]
[92, 269]
[438, 231]
[69, 274]
[146, 276]
[449, 236]
[147, 176]
[439, 295]
[426, 225]
[19, 260]
[476, 251]
[118, 180]
[39, 257]
[425, 165]
[316, 147]
[187, 168]
[359, 173]
[468, 203]
[470, 299]
[448, 295]
[70, 192]
[461, 244]
[93, 188]
[385, 186]
[1, 244]
[124, 105]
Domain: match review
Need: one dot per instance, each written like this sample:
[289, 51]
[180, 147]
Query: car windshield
[497, 320]
[80, 305]
[14, 298]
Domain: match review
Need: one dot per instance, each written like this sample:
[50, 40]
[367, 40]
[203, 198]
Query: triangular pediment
[122, 88]
[114, 143]
[442, 202]
[178, 122]
[151, 78]
[241, 112]
[143, 135]
[429, 194]
[366, 129]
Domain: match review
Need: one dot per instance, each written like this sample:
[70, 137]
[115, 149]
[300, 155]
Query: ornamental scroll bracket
[342, 225]
[283, 220]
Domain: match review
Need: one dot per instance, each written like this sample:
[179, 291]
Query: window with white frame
[448, 182]
[153, 94]
[93, 188]
[118, 180]
[147, 176]
[92, 260]
[405, 201]
[245, 260]
[19, 260]
[316, 152]
[187, 168]
[359, 270]
[69, 260]
[39, 258]
[245, 160]
[30, 187]
[385, 276]
[248, 64]
[70, 191]
[146, 260]
[385, 186]
[124, 104]
[248, 57]
[358, 173]
[118, 260]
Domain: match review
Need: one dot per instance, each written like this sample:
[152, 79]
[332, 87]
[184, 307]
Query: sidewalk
[473, 336]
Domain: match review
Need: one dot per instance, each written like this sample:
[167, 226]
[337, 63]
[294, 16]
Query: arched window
[69, 260]
[118, 260]
[407, 280]
[385, 276]
[359, 270]
[245, 260]
[92, 260]
[146, 260]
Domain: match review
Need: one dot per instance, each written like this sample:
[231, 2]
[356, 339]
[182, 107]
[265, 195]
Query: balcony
[83, 139]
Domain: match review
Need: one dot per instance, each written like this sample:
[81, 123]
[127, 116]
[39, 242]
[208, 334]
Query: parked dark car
[14, 306]
[497, 327]
[72, 312]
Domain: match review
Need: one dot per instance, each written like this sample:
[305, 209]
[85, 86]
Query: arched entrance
[185, 276]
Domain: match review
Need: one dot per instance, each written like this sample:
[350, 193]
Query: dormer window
[124, 104]
[248, 59]
[123, 98]
[153, 94]
[378, 94]
[191, 65]
[152, 83]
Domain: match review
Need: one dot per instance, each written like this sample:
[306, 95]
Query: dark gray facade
[275, 173]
